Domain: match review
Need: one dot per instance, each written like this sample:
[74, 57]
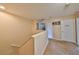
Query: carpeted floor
[61, 48]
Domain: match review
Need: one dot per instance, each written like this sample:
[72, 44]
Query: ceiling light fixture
[2, 7]
[67, 3]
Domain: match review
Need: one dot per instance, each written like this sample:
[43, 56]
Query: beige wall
[27, 48]
[13, 30]
[34, 26]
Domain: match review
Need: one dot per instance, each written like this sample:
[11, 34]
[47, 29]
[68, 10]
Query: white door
[67, 30]
[77, 30]
[57, 32]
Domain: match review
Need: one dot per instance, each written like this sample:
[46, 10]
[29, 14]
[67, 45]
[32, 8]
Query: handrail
[15, 47]
[18, 46]
[26, 42]
[29, 39]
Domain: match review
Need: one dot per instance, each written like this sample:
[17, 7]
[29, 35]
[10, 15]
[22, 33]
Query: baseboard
[66, 41]
[45, 47]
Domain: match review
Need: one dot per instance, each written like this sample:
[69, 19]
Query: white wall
[13, 30]
[56, 30]
[49, 28]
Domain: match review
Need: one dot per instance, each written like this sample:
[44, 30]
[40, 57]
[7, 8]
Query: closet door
[67, 30]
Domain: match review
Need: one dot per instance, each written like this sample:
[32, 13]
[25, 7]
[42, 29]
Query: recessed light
[2, 7]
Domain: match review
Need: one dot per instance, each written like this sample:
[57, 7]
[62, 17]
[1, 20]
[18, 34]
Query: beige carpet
[61, 48]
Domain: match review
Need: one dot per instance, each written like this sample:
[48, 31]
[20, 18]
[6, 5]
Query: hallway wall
[50, 28]
[58, 31]
[13, 30]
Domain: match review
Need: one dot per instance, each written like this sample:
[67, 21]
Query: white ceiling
[41, 10]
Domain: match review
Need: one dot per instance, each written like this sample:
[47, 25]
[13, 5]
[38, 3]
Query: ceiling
[41, 10]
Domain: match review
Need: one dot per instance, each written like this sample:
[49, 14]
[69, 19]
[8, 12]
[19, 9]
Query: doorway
[68, 30]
